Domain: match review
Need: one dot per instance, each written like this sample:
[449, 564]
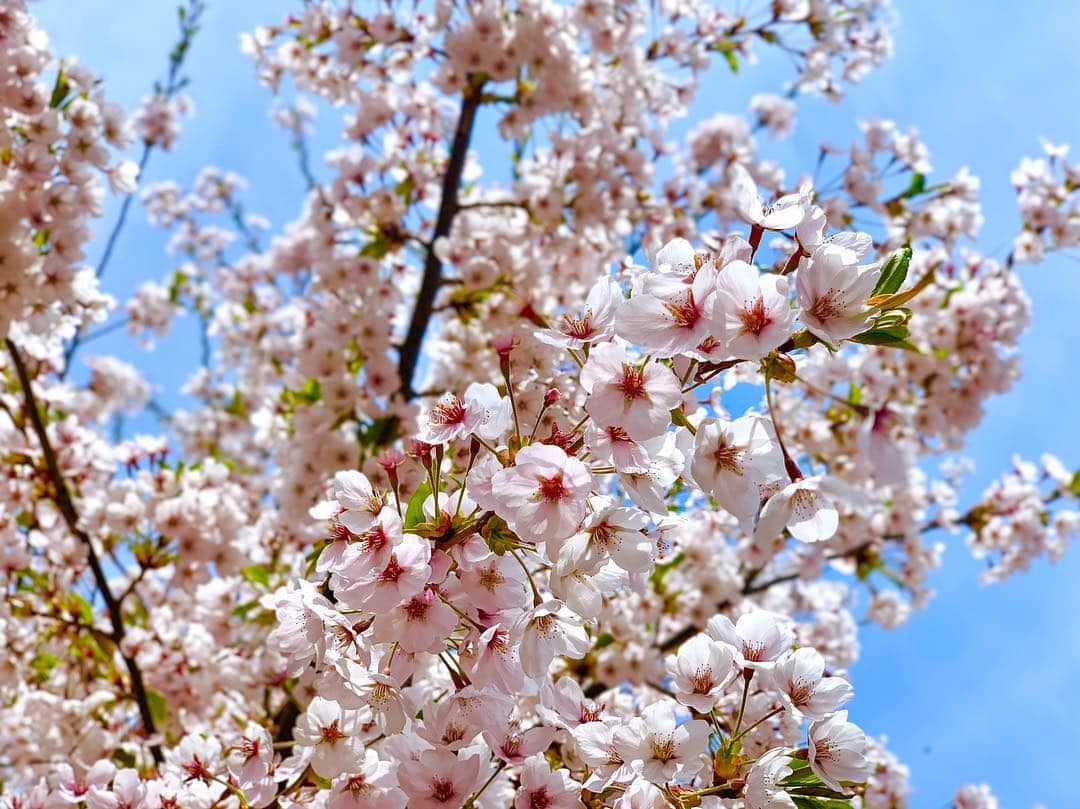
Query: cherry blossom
[670, 314]
[832, 290]
[548, 630]
[785, 213]
[836, 750]
[633, 395]
[803, 508]
[542, 496]
[763, 782]
[437, 779]
[460, 505]
[371, 786]
[658, 746]
[800, 677]
[700, 672]
[734, 460]
[753, 310]
[541, 786]
[332, 732]
[758, 638]
[479, 411]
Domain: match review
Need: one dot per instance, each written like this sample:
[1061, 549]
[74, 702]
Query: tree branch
[63, 500]
[448, 207]
[749, 588]
[189, 17]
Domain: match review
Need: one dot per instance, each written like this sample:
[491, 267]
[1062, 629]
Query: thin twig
[189, 25]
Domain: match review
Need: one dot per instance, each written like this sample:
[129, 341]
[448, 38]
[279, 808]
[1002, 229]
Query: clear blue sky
[981, 686]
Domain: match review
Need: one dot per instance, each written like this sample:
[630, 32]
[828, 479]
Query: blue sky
[980, 686]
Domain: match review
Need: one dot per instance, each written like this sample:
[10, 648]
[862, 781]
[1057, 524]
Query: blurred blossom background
[974, 688]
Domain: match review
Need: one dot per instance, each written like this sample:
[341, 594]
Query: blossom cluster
[465, 503]
[1045, 189]
[55, 138]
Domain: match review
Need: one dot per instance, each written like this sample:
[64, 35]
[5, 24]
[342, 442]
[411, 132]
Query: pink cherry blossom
[734, 460]
[371, 786]
[438, 779]
[542, 496]
[700, 672]
[753, 310]
[758, 638]
[480, 411]
[669, 314]
[548, 630]
[837, 751]
[763, 782]
[543, 787]
[332, 732]
[660, 748]
[595, 322]
[800, 677]
[832, 290]
[634, 395]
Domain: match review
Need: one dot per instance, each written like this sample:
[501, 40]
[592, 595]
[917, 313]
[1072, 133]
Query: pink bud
[503, 344]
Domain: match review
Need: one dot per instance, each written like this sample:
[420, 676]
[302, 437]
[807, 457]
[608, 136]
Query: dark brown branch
[66, 505]
[409, 354]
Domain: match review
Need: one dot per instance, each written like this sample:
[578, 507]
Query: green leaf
[60, 89]
[808, 802]
[43, 664]
[236, 405]
[82, 606]
[257, 574]
[176, 285]
[732, 60]
[892, 318]
[242, 610]
[312, 557]
[918, 185]
[891, 337]
[414, 514]
[801, 774]
[159, 708]
[1074, 484]
[405, 189]
[376, 248]
[854, 396]
[603, 640]
[898, 299]
[893, 273]
[656, 578]
[308, 395]
[499, 538]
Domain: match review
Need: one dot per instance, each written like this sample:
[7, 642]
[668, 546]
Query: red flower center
[331, 733]
[449, 410]
[632, 383]
[754, 317]
[442, 790]
[580, 328]
[686, 314]
[553, 489]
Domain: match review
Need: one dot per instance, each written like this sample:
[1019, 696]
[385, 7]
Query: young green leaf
[414, 514]
[893, 273]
